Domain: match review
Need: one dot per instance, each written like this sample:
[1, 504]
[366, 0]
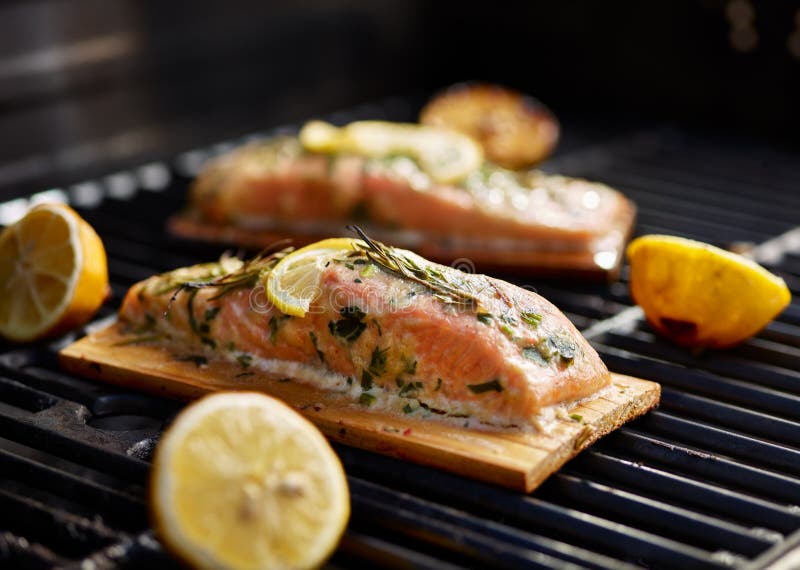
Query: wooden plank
[509, 458]
[524, 258]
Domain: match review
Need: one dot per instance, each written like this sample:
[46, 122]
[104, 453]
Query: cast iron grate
[709, 480]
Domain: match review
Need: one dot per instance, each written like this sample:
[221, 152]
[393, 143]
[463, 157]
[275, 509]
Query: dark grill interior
[709, 480]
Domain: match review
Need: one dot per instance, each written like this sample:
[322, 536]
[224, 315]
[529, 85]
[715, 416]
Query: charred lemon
[699, 295]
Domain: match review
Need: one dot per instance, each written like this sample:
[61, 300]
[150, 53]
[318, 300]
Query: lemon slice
[240, 480]
[699, 295]
[446, 155]
[293, 283]
[53, 273]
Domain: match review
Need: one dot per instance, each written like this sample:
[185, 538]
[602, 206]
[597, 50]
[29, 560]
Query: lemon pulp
[240, 480]
[53, 273]
[293, 283]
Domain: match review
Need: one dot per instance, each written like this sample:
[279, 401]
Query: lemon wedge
[293, 283]
[446, 155]
[699, 295]
[241, 480]
[53, 273]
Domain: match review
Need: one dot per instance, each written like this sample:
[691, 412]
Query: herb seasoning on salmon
[487, 213]
[409, 336]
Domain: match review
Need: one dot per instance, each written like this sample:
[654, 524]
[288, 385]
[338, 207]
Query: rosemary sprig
[246, 276]
[405, 267]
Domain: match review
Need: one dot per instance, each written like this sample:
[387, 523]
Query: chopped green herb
[200, 330]
[491, 385]
[349, 380]
[148, 325]
[313, 338]
[576, 417]
[366, 380]
[190, 307]
[244, 360]
[409, 366]
[368, 270]
[485, 318]
[230, 345]
[557, 345]
[566, 347]
[532, 353]
[438, 384]
[546, 348]
[409, 409]
[198, 360]
[378, 326]
[366, 399]
[275, 322]
[508, 331]
[211, 314]
[410, 390]
[351, 325]
[400, 382]
[377, 364]
[357, 280]
[533, 319]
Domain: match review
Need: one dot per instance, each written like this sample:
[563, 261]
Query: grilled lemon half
[699, 295]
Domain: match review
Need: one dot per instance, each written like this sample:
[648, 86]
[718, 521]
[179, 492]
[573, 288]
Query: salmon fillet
[500, 355]
[545, 220]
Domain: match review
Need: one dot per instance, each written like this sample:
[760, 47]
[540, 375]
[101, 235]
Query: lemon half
[240, 480]
[53, 273]
[515, 130]
[293, 284]
[446, 155]
[699, 295]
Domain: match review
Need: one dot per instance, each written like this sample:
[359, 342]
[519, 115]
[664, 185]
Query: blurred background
[87, 86]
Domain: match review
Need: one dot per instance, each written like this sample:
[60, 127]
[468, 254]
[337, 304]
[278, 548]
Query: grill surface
[709, 480]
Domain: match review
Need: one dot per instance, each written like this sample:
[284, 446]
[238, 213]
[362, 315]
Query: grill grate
[709, 480]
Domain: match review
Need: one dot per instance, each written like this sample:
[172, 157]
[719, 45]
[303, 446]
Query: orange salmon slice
[499, 356]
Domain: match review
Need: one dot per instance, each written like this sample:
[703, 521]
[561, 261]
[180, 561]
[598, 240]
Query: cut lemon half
[699, 295]
[241, 480]
[53, 273]
[293, 284]
[515, 130]
[446, 155]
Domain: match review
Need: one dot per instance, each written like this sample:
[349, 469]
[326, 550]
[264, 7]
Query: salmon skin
[494, 216]
[491, 354]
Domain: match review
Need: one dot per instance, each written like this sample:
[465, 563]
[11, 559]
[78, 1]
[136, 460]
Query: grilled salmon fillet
[499, 355]
[278, 187]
